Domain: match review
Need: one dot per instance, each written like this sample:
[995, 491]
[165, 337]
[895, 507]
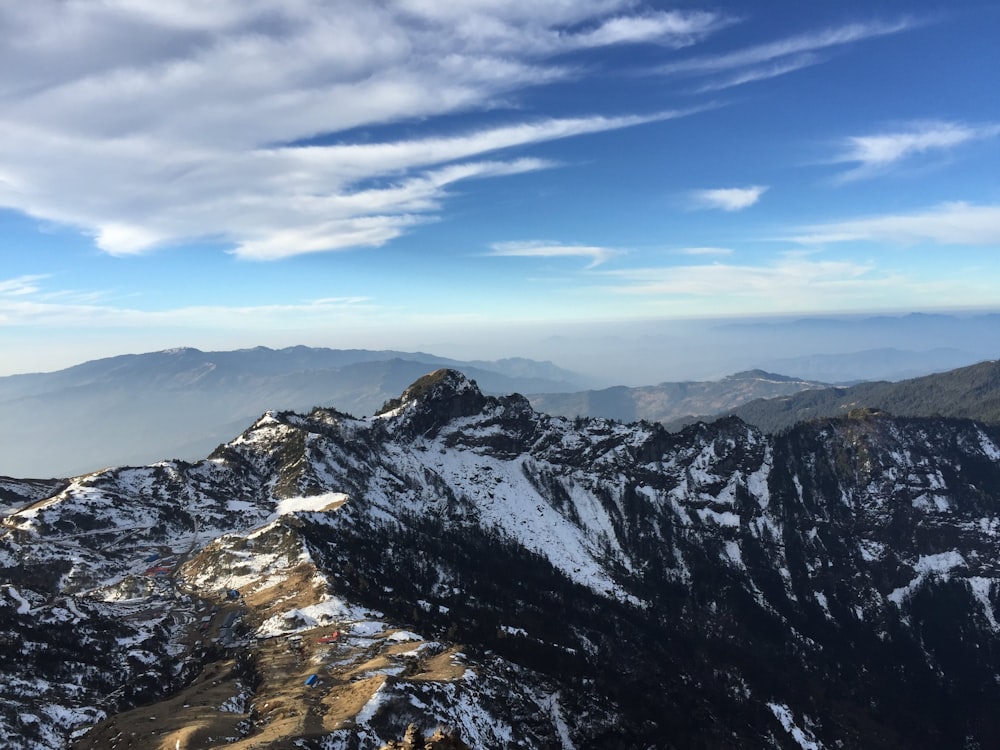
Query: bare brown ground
[191, 718]
[280, 707]
[299, 589]
[283, 707]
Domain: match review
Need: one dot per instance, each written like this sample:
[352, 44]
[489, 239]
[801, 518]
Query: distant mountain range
[181, 403]
[969, 392]
[886, 363]
[846, 349]
[777, 402]
[668, 402]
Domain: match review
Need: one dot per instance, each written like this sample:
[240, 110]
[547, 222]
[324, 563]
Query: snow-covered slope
[525, 580]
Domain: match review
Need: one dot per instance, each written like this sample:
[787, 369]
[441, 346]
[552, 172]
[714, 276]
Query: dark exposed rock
[413, 739]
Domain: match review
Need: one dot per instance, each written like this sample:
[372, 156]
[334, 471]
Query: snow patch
[23, 607]
[933, 502]
[939, 565]
[871, 551]
[368, 711]
[314, 503]
[556, 714]
[367, 628]
[722, 519]
[325, 612]
[803, 737]
[757, 481]
[732, 550]
[981, 588]
[988, 447]
[821, 600]
[404, 636]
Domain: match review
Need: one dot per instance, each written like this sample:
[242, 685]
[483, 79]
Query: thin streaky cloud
[676, 28]
[364, 159]
[597, 254]
[50, 309]
[956, 223]
[705, 251]
[794, 45]
[763, 72]
[880, 151]
[789, 284]
[785, 275]
[546, 28]
[728, 199]
[21, 285]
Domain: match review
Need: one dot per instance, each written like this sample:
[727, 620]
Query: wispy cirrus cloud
[24, 301]
[20, 285]
[728, 199]
[779, 57]
[790, 273]
[876, 153]
[538, 249]
[786, 284]
[275, 202]
[147, 124]
[761, 72]
[793, 283]
[956, 223]
[706, 251]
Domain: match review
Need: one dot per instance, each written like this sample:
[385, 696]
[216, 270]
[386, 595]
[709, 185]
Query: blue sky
[451, 176]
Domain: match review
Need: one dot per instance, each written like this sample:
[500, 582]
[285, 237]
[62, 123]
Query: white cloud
[790, 277]
[20, 286]
[762, 72]
[779, 57]
[23, 303]
[797, 283]
[788, 284]
[265, 198]
[676, 28]
[534, 249]
[147, 123]
[728, 199]
[794, 45]
[556, 27]
[875, 153]
[706, 251]
[948, 224]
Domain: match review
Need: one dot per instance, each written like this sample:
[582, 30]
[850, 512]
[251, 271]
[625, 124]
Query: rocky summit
[462, 571]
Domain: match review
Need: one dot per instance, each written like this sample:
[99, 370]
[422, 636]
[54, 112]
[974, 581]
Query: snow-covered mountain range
[463, 562]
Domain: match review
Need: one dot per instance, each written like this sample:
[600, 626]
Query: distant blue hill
[181, 403]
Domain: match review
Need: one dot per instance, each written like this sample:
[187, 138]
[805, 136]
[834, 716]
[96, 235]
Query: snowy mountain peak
[441, 385]
[433, 400]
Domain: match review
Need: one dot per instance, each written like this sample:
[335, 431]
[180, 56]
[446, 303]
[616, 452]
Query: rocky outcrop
[413, 739]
